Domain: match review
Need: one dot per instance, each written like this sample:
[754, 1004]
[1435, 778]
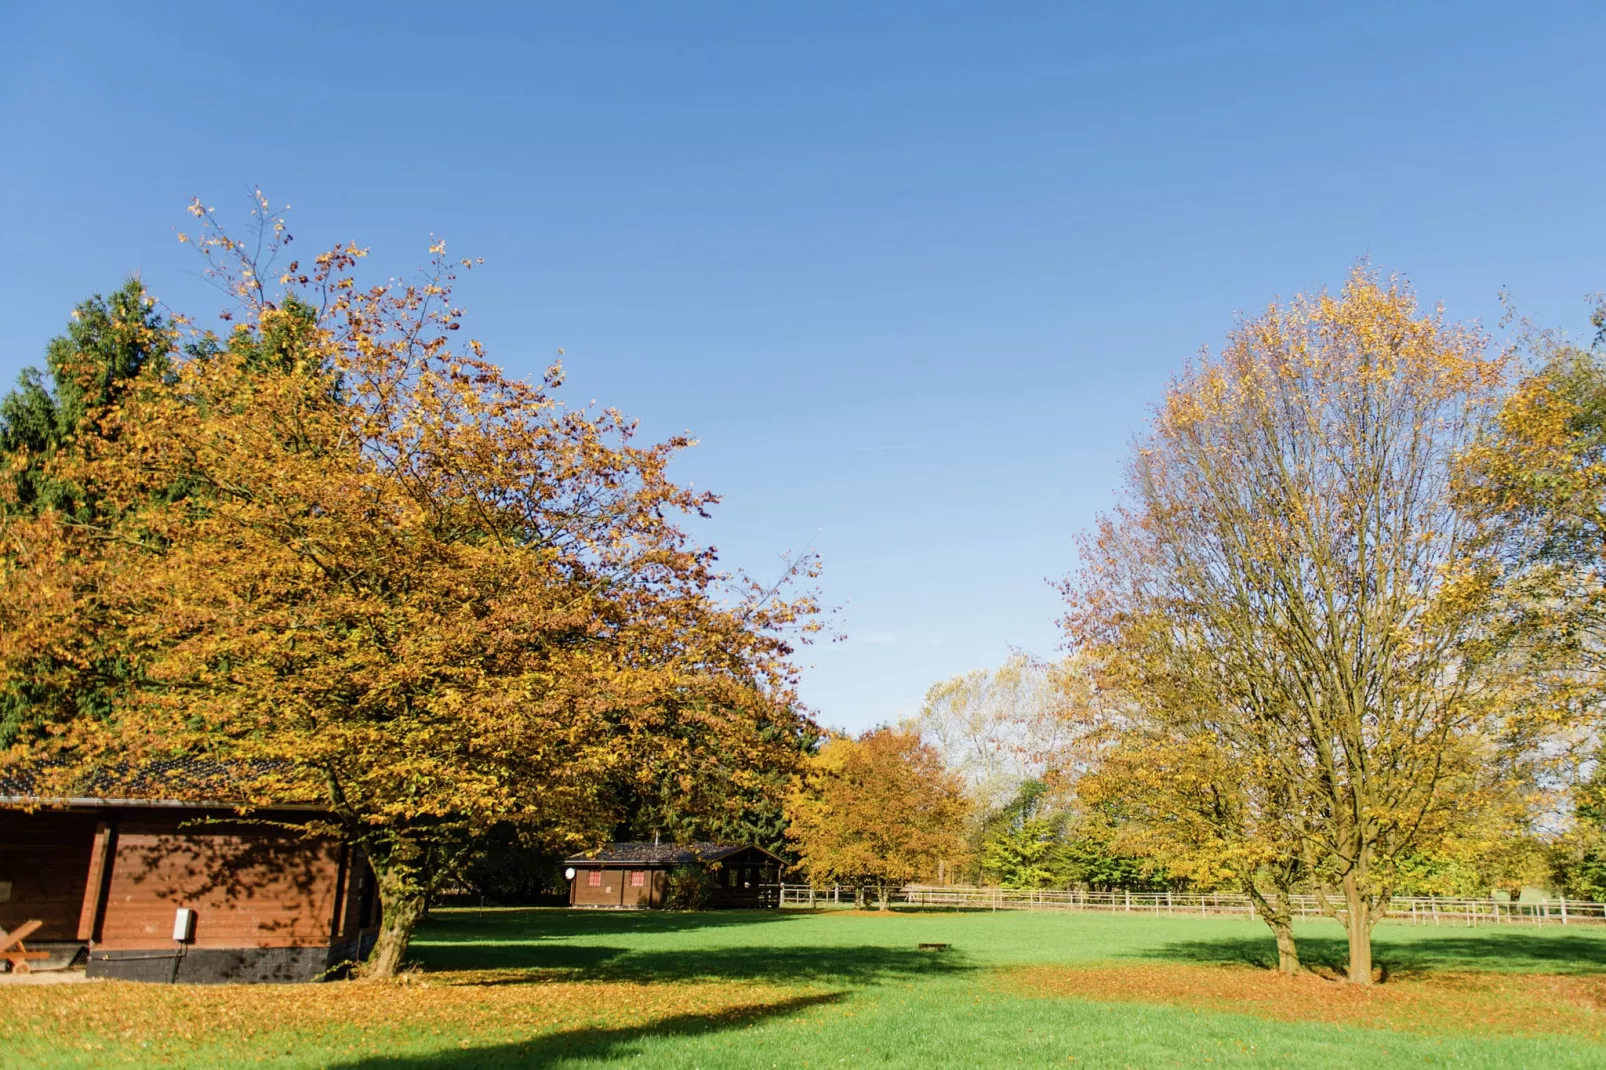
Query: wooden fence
[1419, 910]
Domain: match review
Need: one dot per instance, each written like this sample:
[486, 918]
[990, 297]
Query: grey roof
[664, 854]
[163, 782]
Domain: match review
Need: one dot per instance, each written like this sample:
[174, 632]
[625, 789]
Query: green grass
[816, 990]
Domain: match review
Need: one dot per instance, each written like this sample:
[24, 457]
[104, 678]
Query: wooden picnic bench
[13, 951]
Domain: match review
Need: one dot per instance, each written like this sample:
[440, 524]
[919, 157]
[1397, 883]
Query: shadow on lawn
[591, 1045]
[1487, 950]
[854, 965]
[544, 940]
[548, 922]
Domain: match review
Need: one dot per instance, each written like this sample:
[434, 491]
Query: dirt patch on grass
[1512, 1004]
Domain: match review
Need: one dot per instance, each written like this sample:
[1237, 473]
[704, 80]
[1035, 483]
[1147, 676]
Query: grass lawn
[555, 988]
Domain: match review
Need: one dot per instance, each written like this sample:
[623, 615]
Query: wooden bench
[13, 951]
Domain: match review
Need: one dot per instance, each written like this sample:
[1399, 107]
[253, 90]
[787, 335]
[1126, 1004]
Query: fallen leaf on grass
[1514, 1004]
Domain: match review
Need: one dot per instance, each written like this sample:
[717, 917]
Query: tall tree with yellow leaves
[1287, 594]
[401, 585]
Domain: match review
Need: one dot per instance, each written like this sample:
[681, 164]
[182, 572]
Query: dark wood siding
[746, 879]
[45, 858]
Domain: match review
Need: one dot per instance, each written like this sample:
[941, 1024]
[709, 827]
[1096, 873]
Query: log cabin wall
[270, 905]
[249, 887]
[44, 866]
[599, 887]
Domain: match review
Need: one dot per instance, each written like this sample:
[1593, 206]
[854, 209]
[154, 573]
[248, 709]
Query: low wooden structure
[107, 878]
[635, 876]
[15, 952]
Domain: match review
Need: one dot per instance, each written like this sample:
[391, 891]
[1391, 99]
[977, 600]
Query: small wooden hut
[635, 876]
[157, 890]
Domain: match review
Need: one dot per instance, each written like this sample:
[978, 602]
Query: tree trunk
[883, 896]
[858, 897]
[1287, 953]
[402, 895]
[1358, 920]
[1278, 914]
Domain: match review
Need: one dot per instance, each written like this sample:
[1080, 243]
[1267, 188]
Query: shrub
[690, 888]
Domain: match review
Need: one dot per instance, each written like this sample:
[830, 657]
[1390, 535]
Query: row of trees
[1342, 635]
[334, 555]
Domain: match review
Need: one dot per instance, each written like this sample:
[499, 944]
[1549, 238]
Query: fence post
[1129, 902]
[1435, 902]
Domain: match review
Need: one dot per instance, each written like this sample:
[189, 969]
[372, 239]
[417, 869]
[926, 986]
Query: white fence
[1419, 910]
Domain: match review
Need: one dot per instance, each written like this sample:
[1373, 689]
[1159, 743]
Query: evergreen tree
[87, 369]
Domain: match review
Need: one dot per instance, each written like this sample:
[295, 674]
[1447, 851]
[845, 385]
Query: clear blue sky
[913, 274]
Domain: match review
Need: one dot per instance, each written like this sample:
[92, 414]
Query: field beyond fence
[1419, 910]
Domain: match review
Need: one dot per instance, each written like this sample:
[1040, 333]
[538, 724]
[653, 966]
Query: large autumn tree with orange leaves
[1288, 615]
[880, 810]
[354, 564]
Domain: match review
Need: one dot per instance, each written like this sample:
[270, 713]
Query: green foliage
[1027, 856]
[87, 368]
[1029, 845]
[506, 870]
[689, 888]
[1578, 861]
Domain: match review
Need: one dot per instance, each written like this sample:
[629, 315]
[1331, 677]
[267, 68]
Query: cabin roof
[194, 782]
[666, 854]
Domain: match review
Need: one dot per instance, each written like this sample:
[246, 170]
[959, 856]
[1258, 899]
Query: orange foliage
[358, 564]
[882, 808]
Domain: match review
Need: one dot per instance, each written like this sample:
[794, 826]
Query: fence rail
[1419, 910]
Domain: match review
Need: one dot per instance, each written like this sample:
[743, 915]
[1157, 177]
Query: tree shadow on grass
[851, 965]
[557, 922]
[542, 941]
[591, 1045]
[1489, 950]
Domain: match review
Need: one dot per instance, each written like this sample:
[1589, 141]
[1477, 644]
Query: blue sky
[914, 275]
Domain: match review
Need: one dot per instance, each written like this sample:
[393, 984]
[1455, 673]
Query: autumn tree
[1288, 600]
[1537, 485]
[1195, 804]
[881, 809]
[999, 728]
[108, 342]
[400, 584]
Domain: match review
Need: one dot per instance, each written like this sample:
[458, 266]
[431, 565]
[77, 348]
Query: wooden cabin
[109, 878]
[635, 876]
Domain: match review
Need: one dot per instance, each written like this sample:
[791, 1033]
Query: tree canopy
[399, 584]
[881, 809]
[1287, 614]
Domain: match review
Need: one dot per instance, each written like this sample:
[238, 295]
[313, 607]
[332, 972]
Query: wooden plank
[19, 934]
[94, 904]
